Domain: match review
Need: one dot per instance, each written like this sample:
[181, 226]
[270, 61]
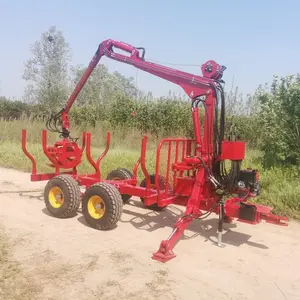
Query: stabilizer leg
[220, 223]
[165, 251]
[192, 212]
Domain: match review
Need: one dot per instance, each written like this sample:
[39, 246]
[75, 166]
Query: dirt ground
[65, 259]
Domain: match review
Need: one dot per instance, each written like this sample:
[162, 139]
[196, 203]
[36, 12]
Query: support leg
[165, 251]
[220, 223]
[192, 212]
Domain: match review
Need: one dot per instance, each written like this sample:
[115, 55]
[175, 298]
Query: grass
[124, 148]
[280, 186]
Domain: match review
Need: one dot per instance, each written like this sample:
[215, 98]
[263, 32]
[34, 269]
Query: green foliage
[281, 190]
[12, 109]
[280, 120]
[161, 117]
[248, 128]
[46, 72]
[102, 86]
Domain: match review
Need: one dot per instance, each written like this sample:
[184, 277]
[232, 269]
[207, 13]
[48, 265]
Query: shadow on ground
[142, 218]
[207, 228]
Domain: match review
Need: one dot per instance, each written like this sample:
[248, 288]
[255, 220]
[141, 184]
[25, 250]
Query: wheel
[102, 205]
[162, 185]
[62, 196]
[120, 174]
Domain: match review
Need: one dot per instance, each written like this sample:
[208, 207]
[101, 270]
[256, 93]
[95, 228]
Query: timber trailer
[195, 174]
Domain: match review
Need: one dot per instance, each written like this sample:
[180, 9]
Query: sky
[253, 39]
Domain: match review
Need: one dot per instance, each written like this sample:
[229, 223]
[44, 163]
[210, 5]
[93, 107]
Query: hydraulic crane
[195, 175]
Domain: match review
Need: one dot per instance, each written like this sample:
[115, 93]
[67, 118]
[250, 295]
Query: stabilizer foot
[219, 243]
[164, 252]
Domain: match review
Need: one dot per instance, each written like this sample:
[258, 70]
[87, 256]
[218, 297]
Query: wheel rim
[96, 207]
[56, 197]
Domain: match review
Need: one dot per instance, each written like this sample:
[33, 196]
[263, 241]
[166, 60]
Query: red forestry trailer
[195, 175]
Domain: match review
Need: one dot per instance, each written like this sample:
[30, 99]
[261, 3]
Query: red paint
[233, 150]
[187, 178]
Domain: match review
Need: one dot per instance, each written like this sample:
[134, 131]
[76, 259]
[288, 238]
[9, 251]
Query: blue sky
[253, 39]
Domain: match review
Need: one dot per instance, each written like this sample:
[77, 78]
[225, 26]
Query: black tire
[120, 174]
[66, 186]
[111, 201]
[162, 185]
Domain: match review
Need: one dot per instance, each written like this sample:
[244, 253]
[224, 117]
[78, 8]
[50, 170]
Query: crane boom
[192, 84]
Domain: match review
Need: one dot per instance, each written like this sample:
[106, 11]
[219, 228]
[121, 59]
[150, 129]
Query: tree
[102, 86]
[94, 90]
[47, 71]
[280, 119]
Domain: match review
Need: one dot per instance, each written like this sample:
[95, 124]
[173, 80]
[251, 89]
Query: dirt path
[65, 259]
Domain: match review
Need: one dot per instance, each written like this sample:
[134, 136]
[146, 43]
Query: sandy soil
[66, 259]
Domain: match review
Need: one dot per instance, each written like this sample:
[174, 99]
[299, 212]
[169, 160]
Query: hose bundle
[227, 179]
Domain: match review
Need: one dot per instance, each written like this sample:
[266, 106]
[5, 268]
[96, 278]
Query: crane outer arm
[193, 85]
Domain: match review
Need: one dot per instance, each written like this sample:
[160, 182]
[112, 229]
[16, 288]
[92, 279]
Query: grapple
[64, 154]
